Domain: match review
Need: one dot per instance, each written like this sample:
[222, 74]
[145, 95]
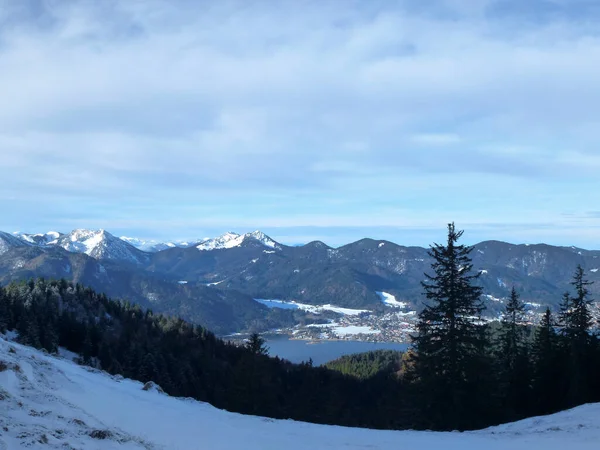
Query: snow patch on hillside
[282, 304]
[390, 300]
[494, 299]
[39, 238]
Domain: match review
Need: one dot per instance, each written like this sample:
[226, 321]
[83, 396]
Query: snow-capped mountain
[48, 238]
[153, 245]
[231, 240]
[100, 244]
[8, 241]
[49, 401]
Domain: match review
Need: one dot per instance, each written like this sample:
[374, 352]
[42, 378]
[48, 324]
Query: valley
[367, 290]
[50, 402]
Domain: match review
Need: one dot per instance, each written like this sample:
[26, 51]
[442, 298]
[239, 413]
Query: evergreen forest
[461, 372]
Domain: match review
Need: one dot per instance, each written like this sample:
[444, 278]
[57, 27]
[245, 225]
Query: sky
[306, 119]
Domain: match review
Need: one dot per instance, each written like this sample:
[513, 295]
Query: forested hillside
[188, 360]
[368, 364]
[214, 283]
[516, 378]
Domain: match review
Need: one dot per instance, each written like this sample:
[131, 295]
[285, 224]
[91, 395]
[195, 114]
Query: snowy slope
[49, 402]
[314, 309]
[153, 246]
[390, 300]
[100, 244]
[231, 240]
[40, 238]
[8, 241]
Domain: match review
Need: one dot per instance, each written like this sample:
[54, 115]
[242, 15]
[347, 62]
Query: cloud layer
[323, 118]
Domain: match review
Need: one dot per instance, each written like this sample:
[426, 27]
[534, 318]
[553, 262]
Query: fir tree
[512, 358]
[147, 370]
[256, 345]
[4, 311]
[451, 342]
[546, 366]
[576, 322]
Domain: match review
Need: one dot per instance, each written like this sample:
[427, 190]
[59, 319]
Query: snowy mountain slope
[8, 241]
[153, 246]
[100, 244]
[49, 402]
[40, 238]
[350, 276]
[231, 240]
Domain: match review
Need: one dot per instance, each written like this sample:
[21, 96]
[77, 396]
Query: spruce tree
[4, 312]
[546, 366]
[450, 363]
[512, 358]
[576, 322]
[256, 345]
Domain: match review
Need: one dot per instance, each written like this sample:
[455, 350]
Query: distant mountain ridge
[153, 245]
[233, 269]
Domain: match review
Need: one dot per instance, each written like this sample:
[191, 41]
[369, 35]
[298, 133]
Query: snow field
[50, 402]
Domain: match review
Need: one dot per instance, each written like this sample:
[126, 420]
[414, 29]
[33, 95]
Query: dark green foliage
[578, 343]
[368, 364]
[450, 362]
[256, 345]
[547, 370]
[4, 312]
[446, 381]
[187, 360]
[512, 360]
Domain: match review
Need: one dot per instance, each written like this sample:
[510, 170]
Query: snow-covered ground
[48, 402]
[282, 304]
[390, 300]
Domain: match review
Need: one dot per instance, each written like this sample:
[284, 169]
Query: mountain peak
[100, 244]
[231, 240]
[263, 239]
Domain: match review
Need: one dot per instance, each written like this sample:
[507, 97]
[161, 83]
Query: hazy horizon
[291, 238]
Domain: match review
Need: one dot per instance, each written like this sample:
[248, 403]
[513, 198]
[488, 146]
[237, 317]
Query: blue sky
[307, 119]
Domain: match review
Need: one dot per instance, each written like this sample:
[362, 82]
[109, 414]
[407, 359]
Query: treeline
[368, 364]
[465, 378]
[189, 361]
[460, 374]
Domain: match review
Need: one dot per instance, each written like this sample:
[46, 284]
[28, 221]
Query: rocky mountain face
[215, 280]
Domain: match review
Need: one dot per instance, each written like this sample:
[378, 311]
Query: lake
[321, 352]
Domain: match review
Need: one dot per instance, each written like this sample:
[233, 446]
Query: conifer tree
[450, 362]
[546, 366]
[3, 311]
[256, 344]
[576, 322]
[512, 359]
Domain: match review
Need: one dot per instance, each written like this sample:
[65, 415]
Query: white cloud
[115, 103]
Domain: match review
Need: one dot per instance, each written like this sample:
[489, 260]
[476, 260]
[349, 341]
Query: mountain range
[215, 281]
